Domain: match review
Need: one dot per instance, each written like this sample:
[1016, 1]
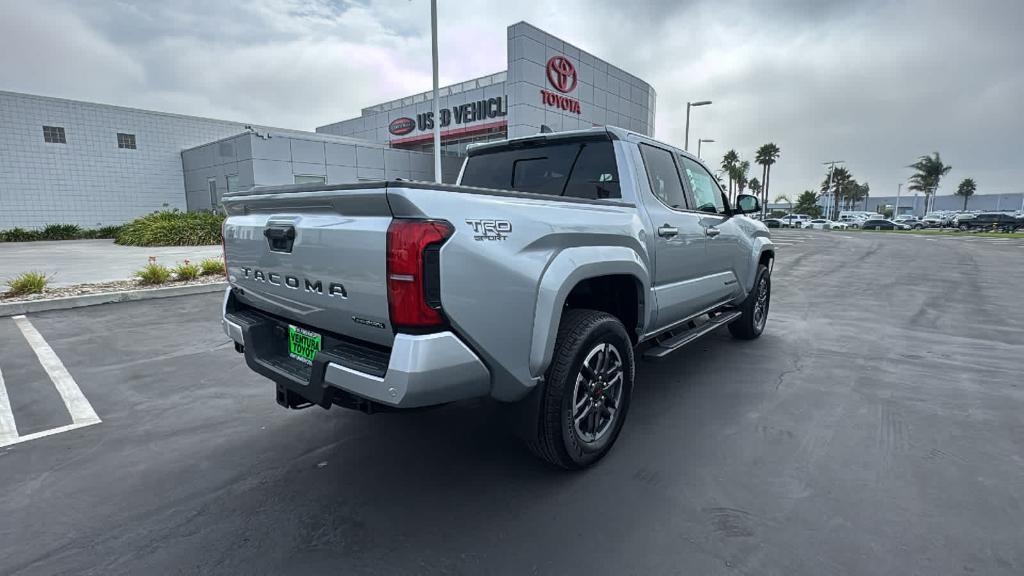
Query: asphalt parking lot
[876, 428]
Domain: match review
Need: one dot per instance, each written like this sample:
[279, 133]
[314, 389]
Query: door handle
[712, 232]
[667, 231]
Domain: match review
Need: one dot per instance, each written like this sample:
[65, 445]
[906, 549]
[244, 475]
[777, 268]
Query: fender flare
[760, 246]
[567, 269]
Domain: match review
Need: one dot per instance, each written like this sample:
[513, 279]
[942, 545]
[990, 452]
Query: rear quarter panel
[503, 293]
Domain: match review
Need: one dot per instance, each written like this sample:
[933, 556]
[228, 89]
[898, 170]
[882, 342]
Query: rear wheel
[755, 308]
[587, 390]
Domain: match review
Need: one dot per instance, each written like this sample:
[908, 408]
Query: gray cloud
[876, 83]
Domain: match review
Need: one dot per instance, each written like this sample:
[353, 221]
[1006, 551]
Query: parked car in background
[823, 224]
[882, 224]
[910, 220]
[962, 220]
[795, 220]
[936, 220]
[997, 221]
[774, 223]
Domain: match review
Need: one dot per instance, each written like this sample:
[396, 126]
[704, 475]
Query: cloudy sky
[875, 83]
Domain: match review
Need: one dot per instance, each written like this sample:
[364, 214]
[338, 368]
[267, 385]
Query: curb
[14, 308]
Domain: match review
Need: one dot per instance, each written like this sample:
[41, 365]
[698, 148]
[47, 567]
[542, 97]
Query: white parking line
[45, 433]
[81, 411]
[8, 429]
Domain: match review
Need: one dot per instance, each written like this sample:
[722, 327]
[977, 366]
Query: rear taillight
[414, 272]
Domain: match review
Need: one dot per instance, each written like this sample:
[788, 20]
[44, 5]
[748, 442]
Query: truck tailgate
[316, 258]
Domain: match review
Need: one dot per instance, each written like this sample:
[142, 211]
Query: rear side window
[580, 169]
[664, 177]
[594, 175]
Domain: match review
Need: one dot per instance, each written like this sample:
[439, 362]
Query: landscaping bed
[105, 288]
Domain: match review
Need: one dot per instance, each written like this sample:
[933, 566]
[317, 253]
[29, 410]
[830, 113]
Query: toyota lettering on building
[562, 76]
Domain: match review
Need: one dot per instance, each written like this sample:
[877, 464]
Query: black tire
[751, 324]
[560, 438]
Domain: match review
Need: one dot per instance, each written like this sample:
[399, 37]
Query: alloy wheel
[598, 393]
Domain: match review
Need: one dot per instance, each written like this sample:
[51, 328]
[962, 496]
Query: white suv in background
[794, 220]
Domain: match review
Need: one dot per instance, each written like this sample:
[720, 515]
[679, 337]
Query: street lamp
[701, 141]
[830, 199]
[437, 102]
[686, 143]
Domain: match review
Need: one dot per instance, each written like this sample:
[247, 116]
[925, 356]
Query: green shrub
[172, 228]
[60, 232]
[18, 235]
[106, 232]
[27, 283]
[212, 266]
[187, 271]
[153, 273]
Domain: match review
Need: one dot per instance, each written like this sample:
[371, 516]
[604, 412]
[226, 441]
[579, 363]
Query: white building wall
[277, 157]
[90, 181]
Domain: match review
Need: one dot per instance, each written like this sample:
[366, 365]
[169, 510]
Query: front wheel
[750, 325]
[587, 390]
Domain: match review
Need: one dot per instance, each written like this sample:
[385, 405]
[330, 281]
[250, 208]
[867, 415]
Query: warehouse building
[65, 161]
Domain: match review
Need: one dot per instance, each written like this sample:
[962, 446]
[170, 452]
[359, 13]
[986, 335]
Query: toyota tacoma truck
[536, 280]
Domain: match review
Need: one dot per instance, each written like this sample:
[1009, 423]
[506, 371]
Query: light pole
[829, 199]
[701, 141]
[686, 142]
[896, 210]
[437, 102]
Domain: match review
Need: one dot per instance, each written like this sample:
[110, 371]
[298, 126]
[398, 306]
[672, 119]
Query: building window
[302, 179]
[232, 182]
[212, 183]
[54, 134]
[126, 141]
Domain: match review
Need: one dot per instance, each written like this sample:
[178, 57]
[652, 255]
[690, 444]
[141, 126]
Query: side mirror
[747, 204]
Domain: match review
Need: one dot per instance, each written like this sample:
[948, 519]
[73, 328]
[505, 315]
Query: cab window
[663, 176]
[705, 190]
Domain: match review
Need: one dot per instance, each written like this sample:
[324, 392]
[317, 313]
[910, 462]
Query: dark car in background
[880, 224]
[773, 223]
[999, 221]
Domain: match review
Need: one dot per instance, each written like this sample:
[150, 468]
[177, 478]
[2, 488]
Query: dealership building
[65, 161]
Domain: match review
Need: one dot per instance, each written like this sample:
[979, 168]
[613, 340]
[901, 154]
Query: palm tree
[967, 188]
[784, 198]
[729, 162]
[859, 192]
[755, 187]
[930, 170]
[739, 177]
[766, 156]
[807, 203]
[841, 185]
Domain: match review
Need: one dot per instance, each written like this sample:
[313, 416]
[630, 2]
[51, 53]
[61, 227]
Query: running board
[676, 342]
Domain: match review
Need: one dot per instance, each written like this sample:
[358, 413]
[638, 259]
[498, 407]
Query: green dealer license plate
[302, 344]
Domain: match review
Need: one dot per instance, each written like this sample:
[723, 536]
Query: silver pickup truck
[536, 280]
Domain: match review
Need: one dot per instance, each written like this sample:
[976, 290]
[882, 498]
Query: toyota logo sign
[562, 74]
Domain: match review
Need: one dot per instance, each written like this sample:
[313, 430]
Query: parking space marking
[82, 413]
[8, 428]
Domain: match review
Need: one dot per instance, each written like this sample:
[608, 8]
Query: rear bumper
[422, 370]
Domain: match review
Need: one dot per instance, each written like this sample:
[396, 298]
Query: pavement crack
[797, 367]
